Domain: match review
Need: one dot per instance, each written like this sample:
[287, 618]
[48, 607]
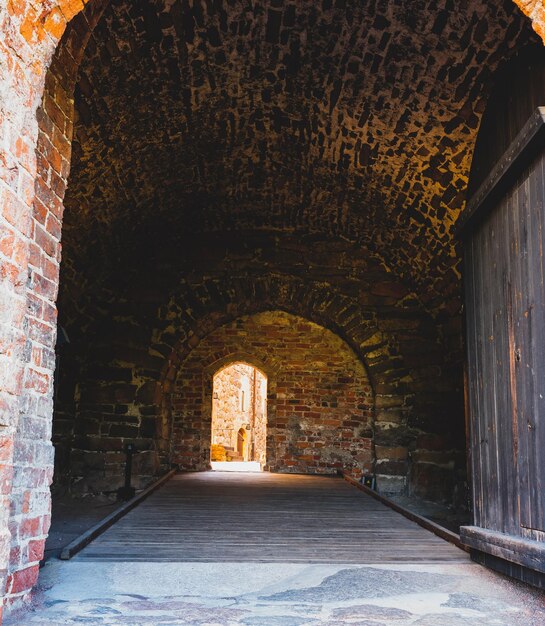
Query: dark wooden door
[527, 245]
[505, 305]
[504, 273]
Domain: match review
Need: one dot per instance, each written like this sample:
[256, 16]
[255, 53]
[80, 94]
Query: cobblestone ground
[259, 594]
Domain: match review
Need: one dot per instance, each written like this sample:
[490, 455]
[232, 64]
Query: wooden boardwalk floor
[237, 517]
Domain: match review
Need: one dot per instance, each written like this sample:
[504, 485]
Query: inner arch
[320, 402]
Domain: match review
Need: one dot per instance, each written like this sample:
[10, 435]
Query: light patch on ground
[265, 594]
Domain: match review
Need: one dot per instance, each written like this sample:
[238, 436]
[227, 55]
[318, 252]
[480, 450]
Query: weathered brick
[36, 550]
[22, 580]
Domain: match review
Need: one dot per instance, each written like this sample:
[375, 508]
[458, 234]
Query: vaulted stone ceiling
[331, 121]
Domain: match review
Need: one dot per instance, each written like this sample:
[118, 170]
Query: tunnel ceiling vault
[351, 120]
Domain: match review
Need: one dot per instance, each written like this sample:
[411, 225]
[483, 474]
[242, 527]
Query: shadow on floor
[441, 514]
[73, 516]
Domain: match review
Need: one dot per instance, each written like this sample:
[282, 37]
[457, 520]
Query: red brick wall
[320, 403]
[33, 452]
[35, 174]
[535, 10]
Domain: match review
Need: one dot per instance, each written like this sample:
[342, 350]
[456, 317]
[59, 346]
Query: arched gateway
[313, 158]
[239, 416]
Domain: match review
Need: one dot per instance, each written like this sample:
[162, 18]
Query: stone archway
[320, 403]
[33, 243]
[238, 409]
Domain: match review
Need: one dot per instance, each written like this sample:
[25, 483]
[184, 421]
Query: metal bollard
[127, 492]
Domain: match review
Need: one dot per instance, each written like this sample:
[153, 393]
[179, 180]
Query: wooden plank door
[529, 354]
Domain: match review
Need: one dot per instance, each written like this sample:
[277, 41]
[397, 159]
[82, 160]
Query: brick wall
[116, 380]
[320, 404]
[35, 162]
[535, 10]
[33, 452]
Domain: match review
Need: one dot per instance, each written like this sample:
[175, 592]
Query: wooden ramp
[228, 517]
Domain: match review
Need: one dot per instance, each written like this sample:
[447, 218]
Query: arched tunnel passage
[283, 159]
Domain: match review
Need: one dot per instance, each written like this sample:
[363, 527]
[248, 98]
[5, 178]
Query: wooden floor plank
[224, 517]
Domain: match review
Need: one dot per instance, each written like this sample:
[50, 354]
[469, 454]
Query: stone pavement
[277, 594]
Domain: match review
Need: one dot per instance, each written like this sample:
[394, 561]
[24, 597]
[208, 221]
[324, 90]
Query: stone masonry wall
[260, 420]
[229, 411]
[320, 404]
[117, 375]
[34, 158]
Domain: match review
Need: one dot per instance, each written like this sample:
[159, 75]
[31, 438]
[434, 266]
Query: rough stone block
[391, 485]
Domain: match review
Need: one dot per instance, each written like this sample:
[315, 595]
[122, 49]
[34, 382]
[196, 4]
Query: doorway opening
[239, 418]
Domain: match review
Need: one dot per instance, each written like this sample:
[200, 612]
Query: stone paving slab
[277, 594]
